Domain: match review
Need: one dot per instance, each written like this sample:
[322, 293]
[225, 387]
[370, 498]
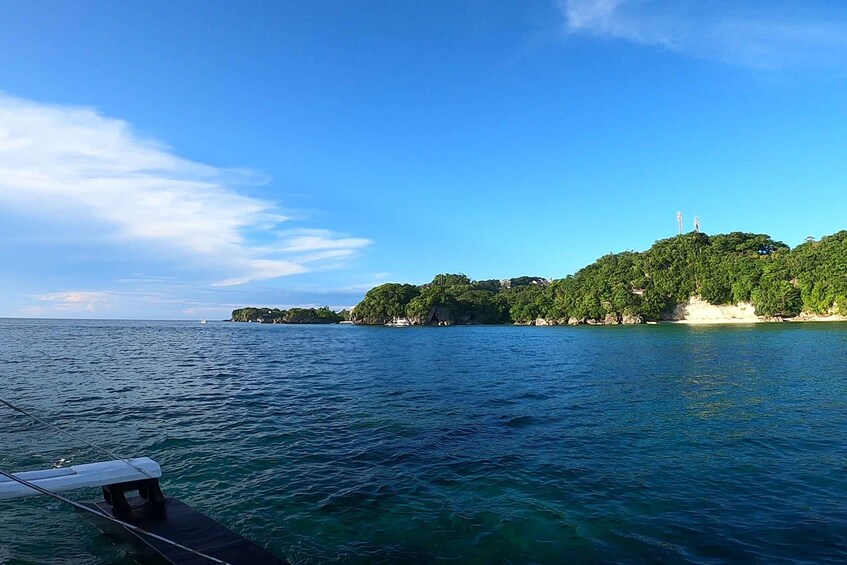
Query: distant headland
[321, 315]
[691, 278]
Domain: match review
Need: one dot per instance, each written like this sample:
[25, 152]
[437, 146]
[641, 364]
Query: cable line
[72, 436]
[98, 512]
[102, 514]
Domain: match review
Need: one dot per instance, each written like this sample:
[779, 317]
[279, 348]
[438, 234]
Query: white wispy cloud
[109, 303]
[58, 161]
[76, 302]
[311, 240]
[760, 34]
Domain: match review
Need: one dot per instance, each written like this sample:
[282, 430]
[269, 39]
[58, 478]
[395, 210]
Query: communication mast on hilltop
[696, 224]
[679, 221]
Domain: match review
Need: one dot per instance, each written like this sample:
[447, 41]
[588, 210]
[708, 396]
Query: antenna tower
[679, 221]
[697, 224]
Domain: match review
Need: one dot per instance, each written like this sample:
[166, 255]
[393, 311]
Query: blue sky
[180, 159]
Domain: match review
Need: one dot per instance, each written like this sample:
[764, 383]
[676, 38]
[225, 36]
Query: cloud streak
[108, 303]
[77, 301]
[59, 161]
[759, 34]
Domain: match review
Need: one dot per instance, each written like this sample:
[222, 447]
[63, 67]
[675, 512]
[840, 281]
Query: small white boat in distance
[202, 321]
[399, 323]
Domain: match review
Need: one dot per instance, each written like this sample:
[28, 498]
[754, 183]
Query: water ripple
[467, 445]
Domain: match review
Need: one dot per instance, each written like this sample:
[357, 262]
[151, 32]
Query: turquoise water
[460, 444]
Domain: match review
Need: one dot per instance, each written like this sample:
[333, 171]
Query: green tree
[385, 302]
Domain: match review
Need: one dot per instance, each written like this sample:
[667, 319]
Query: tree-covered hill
[450, 299]
[321, 315]
[636, 286]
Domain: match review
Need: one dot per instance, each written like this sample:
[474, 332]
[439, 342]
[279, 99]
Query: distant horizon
[179, 161]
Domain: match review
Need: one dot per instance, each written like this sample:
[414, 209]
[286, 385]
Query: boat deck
[179, 522]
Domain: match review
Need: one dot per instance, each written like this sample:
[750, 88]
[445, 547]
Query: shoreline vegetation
[321, 315]
[693, 278]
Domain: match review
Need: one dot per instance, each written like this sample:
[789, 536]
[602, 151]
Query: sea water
[458, 444]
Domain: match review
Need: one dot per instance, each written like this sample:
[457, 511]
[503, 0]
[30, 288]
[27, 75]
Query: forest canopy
[322, 315]
[637, 286]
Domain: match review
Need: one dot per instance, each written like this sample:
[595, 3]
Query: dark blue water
[462, 444]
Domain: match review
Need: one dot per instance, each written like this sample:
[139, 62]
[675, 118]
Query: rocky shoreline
[695, 311]
[803, 318]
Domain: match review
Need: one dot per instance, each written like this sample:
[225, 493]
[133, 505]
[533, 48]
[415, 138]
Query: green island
[729, 277]
[321, 315]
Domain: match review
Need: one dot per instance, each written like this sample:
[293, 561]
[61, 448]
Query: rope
[102, 514]
[84, 508]
[75, 438]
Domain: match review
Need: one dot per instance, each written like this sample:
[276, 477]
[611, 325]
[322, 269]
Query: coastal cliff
[694, 311]
[697, 311]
